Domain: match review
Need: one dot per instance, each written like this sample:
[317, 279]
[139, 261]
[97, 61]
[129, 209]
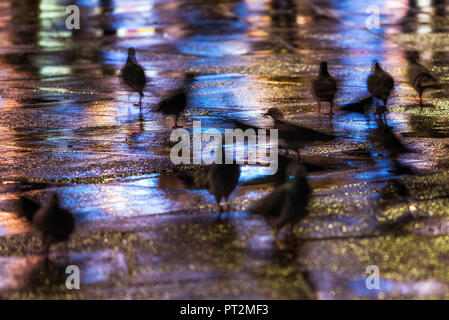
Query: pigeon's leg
[140, 102]
[220, 208]
[228, 207]
[420, 99]
[331, 107]
[46, 245]
[276, 237]
[66, 251]
[176, 122]
[319, 106]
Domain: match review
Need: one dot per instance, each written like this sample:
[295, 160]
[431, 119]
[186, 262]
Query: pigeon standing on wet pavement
[295, 136]
[420, 78]
[219, 179]
[133, 74]
[286, 204]
[55, 223]
[324, 87]
[176, 103]
[384, 135]
[380, 84]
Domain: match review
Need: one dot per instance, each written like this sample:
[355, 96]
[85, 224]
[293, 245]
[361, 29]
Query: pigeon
[55, 223]
[380, 84]
[384, 135]
[286, 204]
[294, 135]
[324, 87]
[420, 78]
[176, 103]
[361, 106]
[219, 179]
[134, 75]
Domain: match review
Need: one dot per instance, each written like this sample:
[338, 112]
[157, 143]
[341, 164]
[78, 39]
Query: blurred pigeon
[219, 179]
[361, 106]
[324, 87]
[287, 203]
[420, 78]
[384, 135]
[380, 84]
[279, 177]
[176, 103]
[133, 74]
[55, 223]
[294, 135]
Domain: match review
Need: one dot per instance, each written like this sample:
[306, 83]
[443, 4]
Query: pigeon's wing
[372, 83]
[298, 133]
[134, 76]
[420, 77]
[201, 177]
[271, 205]
[380, 84]
[324, 87]
[360, 106]
[244, 126]
[28, 208]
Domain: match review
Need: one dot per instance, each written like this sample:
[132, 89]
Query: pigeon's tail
[28, 208]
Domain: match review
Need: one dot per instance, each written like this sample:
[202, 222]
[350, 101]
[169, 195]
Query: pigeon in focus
[219, 179]
[133, 74]
[324, 87]
[420, 78]
[176, 103]
[55, 223]
[286, 204]
[380, 84]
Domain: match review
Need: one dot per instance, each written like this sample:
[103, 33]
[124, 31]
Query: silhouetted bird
[219, 179]
[420, 78]
[380, 84]
[286, 204]
[55, 223]
[176, 103]
[361, 106]
[384, 135]
[134, 75]
[294, 135]
[324, 87]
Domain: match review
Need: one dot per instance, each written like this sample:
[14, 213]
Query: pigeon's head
[189, 78]
[376, 65]
[412, 56]
[132, 54]
[53, 200]
[296, 170]
[275, 113]
[323, 68]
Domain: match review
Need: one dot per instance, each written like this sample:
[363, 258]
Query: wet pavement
[68, 125]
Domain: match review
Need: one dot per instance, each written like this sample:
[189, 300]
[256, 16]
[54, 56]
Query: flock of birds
[287, 204]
